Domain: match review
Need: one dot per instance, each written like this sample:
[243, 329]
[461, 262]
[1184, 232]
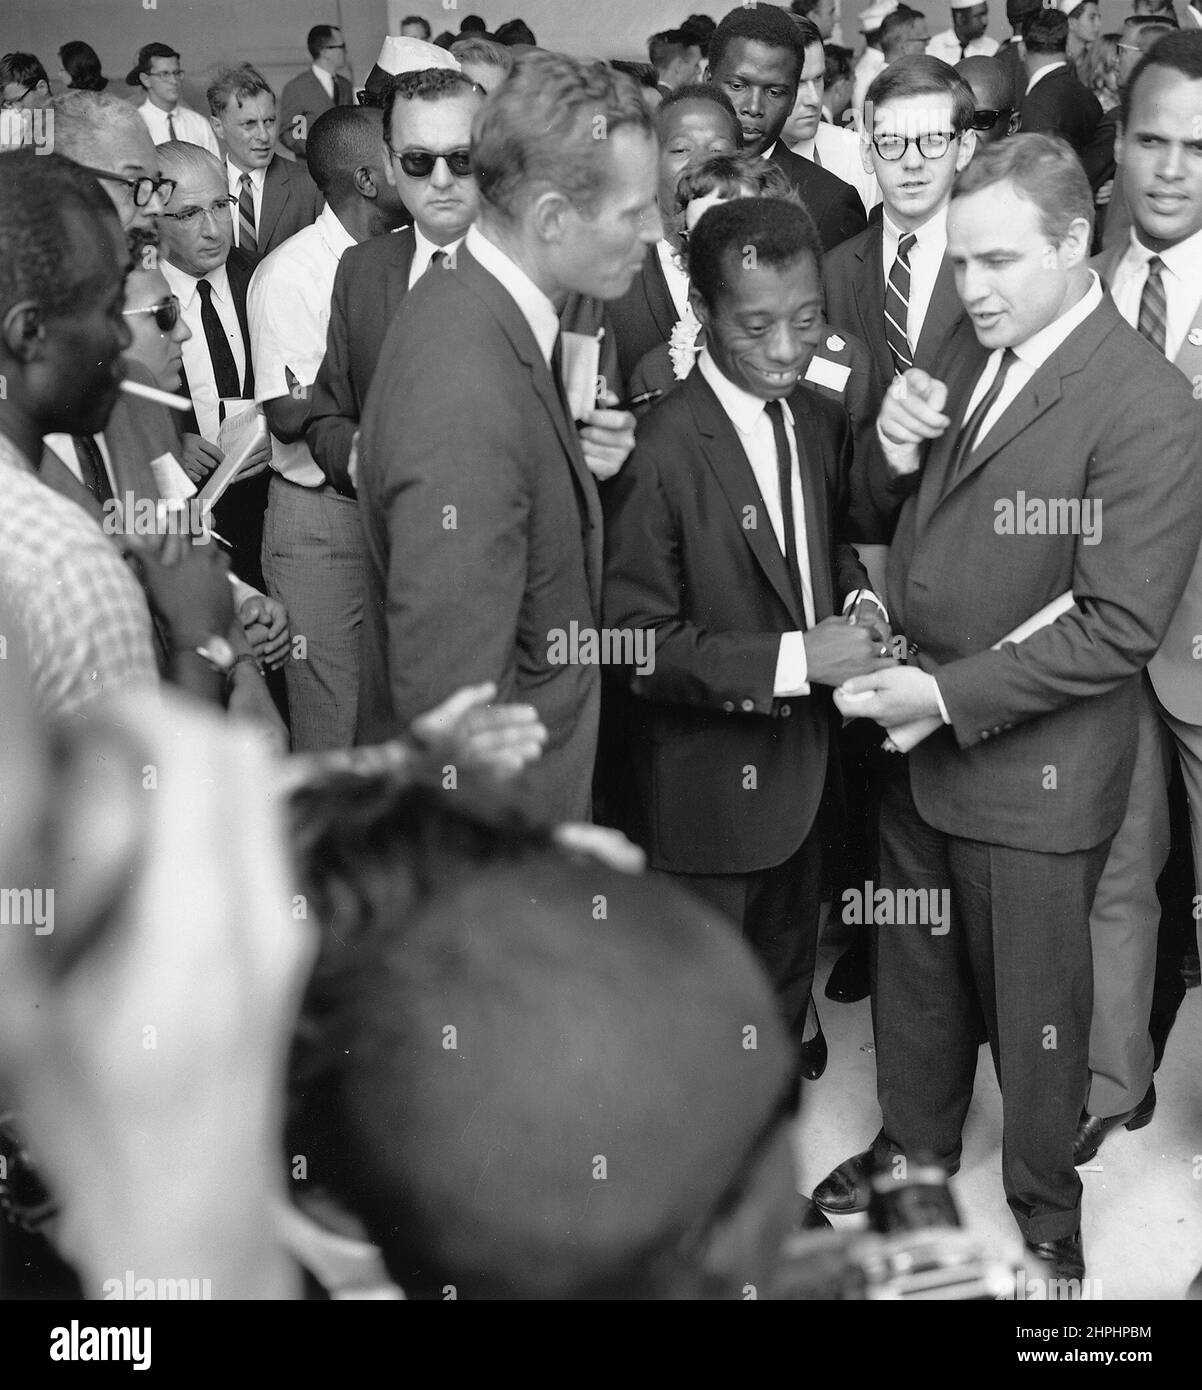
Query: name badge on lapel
[824, 373]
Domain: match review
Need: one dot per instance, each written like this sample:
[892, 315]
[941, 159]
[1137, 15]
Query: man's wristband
[250, 660]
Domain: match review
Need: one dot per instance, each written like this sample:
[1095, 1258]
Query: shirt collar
[768, 152]
[667, 257]
[332, 232]
[424, 248]
[537, 309]
[1184, 261]
[183, 285]
[743, 408]
[235, 175]
[932, 235]
[1040, 346]
[1043, 72]
[326, 79]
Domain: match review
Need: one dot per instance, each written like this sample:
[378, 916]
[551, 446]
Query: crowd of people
[508, 551]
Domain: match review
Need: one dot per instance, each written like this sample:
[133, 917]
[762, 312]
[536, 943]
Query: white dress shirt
[1182, 281]
[63, 445]
[325, 78]
[838, 150]
[678, 280]
[536, 308]
[748, 415]
[189, 125]
[288, 309]
[946, 47]
[926, 258]
[234, 179]
[424, 251]
[197, 363]
[1043, 72]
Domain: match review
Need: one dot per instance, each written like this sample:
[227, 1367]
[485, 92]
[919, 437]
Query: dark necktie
[897, 305]
[171, 135]
[971, 427]
[247, 241]
[91, 466]
[1153, 310]
[438, 260]
[784, 474]
[221, 355]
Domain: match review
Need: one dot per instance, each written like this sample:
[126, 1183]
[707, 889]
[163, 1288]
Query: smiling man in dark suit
[481, 517]
[273, 196]
[1005, 818]
[724, 546]
[756, 57]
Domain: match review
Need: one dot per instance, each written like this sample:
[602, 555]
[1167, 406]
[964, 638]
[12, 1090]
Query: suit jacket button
[786, 711]
[748, 706]
[984, 735]
[728, 706]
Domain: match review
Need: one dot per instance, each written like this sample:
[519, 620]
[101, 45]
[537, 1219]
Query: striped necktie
[1153, 310]
[247, 241]
[897, 305]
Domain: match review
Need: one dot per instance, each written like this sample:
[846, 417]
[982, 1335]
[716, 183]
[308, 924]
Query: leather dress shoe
[847, 1188]
[810, 1217]
[1066, 1256]
[812, 1055]
[1093, 1129]
[848, 981]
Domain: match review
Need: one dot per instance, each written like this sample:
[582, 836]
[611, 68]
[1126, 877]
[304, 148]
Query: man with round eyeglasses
[159, 74]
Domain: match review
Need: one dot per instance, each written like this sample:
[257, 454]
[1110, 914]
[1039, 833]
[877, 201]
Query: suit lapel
[942, 312]
[275, 196]
[868, 291]
[659, 296]
[396, 272]
[1189, 358]
[727, 458]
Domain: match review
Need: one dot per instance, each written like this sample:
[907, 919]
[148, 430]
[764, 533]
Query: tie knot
[775, 410]
[906, 244]
[245, 181]
[205, 290]
[1155, 266]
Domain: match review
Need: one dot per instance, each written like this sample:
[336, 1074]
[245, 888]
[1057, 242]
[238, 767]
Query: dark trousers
[1013, 962]
[778, 912]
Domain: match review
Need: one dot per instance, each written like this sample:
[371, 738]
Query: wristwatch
[218, 653]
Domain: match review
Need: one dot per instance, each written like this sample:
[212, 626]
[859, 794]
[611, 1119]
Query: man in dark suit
[425, 111]
[756, 57]
[1056, 102]
[273, 196]
[993, 845]
[725, 552]
[319, 88]
[892, 285]
[1012, 52]
[676, 57]
[210, 280]
[481, 517]
[1156, 284]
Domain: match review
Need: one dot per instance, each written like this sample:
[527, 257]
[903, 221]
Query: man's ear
[215, 122]
[23, 332]
[968, 147]
[1077, 241]
[364, 179]
[549, 215]
[1015, 123]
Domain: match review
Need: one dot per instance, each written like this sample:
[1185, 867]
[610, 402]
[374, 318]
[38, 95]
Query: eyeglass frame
[177, 73]
[14, 103]
[950, 136]
[155, 184]
[171, 302]
[220, 207]
[445, 155]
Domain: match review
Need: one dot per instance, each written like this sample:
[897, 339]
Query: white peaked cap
[875, 15]
[400, 55]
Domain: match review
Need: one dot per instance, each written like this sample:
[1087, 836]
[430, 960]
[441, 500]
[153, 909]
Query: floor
[1143, 1192]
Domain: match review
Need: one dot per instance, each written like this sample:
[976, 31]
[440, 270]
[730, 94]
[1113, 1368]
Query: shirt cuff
[792, 667]
[857, 594]
[947, 719]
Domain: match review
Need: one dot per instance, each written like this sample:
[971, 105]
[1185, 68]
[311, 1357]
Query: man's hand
[198, 457]
[836, 650]
[1104, 194]
[192, 598]
[469, 732]
[607, 438]
[911, 413]
[869, 613]
[265, 622]
[257, 462]
[890, 697]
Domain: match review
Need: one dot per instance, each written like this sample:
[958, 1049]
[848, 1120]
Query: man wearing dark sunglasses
[315, 90]
[995, 117]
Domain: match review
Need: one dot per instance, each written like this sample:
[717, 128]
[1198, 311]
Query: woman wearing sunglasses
[159, 331]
